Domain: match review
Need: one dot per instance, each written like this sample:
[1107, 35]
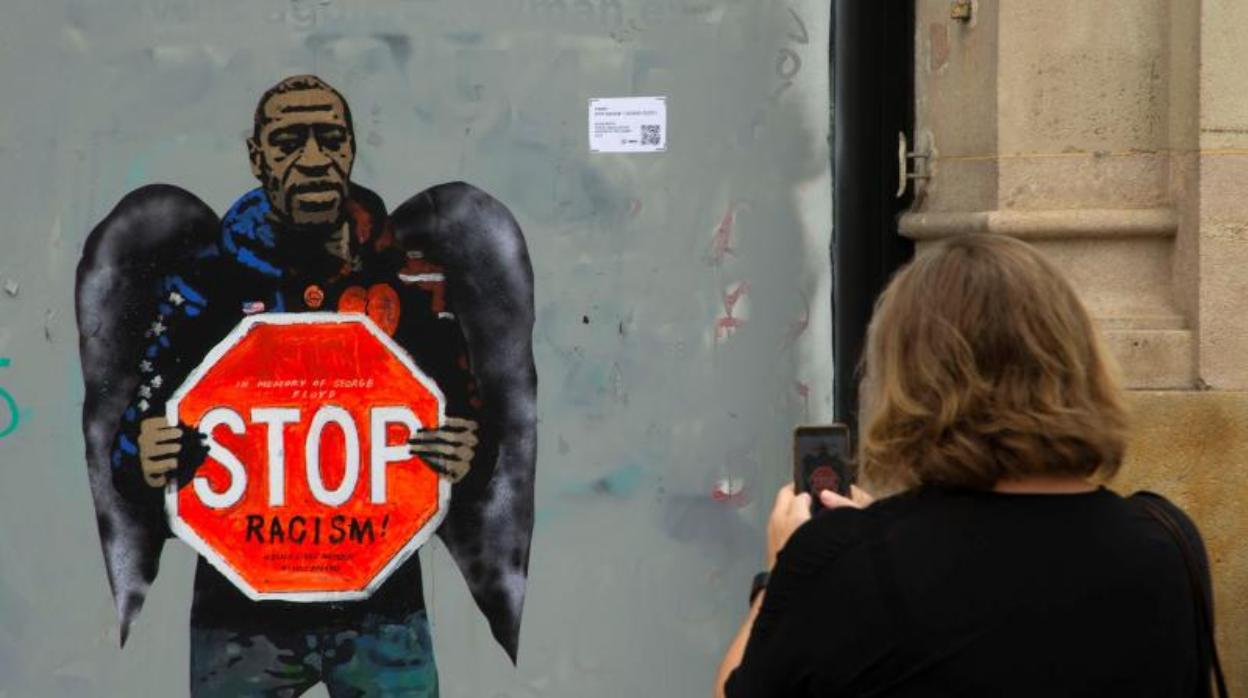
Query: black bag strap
[1153, 504]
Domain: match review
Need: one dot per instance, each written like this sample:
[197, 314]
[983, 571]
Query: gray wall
[640, 562]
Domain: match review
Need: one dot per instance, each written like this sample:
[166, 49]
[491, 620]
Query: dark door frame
[872, 57]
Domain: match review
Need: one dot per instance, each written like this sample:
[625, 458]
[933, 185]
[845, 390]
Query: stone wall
[1114, 137]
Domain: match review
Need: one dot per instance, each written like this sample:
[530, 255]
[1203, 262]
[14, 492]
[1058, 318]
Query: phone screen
[821, 460]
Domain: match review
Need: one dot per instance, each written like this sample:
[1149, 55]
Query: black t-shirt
[957, 593]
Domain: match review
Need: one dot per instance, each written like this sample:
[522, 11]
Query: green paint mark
[9, 402]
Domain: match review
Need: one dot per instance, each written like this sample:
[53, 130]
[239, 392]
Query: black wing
[490, 287]
[150, 232]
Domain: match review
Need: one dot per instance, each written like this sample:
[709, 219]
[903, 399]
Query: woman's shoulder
[1146, 500]
[1167, 515]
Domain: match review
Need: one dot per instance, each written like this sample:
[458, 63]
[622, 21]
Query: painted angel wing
[151, 230]
[490, 282]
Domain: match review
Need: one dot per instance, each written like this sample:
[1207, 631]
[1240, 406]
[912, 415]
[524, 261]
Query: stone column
[1221, 250]
[1051, 122]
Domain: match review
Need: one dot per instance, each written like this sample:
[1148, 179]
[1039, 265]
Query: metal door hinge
[904, 156]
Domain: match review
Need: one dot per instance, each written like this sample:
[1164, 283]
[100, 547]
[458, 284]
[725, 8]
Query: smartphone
[821, 461]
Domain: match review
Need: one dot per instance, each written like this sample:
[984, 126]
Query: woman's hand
[857, 498]
[790, 511]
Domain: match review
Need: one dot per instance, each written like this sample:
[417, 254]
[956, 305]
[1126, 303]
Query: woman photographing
[999, 565]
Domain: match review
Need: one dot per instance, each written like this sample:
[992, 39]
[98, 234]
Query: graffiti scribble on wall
[304, 390]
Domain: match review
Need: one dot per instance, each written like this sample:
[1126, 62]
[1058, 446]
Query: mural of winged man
[163, 279]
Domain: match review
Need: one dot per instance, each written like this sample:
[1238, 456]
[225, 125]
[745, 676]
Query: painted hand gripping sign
[309, 491]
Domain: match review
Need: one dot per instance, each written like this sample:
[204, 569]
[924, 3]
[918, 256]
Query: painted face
[303, 156]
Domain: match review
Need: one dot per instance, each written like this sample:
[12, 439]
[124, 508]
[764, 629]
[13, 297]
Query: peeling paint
[736, 310]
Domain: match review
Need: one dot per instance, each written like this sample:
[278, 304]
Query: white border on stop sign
[187, 534]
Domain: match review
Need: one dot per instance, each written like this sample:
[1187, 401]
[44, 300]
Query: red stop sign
[309, 491]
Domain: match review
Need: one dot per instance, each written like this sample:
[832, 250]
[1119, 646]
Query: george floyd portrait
[440, 289]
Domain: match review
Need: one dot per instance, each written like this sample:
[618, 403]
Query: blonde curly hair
[982, 365]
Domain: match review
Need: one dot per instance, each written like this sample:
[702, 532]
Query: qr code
[650, 134]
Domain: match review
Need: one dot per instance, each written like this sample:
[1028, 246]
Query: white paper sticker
[628, 125]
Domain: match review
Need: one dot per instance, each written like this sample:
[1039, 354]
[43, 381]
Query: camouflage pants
[382, 658]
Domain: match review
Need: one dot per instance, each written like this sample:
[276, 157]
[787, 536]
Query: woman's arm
[790, 511]
[736, 650]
